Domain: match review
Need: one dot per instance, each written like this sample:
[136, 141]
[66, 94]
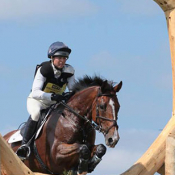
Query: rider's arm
[38, 84]
[68, 69]
[71, 82]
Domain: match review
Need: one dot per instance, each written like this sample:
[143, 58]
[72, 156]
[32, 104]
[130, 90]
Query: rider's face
[59, 61]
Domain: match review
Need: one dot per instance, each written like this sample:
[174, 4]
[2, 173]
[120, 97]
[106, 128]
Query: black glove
[57, 97]
[68, 95]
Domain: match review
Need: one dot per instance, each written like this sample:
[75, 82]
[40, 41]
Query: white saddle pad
[17, 137]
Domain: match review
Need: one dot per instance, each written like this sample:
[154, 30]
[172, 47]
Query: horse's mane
[87, 81]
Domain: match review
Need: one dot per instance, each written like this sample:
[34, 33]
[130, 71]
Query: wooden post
[168, 6]
[170, 155]
[154, 157]
[10, 164]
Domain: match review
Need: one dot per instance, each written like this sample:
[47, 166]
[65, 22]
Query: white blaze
[115, 136]
[112, 104]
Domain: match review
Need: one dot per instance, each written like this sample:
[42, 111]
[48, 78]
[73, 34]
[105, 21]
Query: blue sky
[119, 40]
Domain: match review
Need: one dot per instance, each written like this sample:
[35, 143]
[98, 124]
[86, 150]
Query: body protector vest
[56, 80]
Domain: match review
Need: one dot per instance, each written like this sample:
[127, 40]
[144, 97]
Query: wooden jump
[153, 159]
[10, 164]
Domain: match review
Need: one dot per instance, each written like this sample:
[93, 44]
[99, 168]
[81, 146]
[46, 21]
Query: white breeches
[34, 107]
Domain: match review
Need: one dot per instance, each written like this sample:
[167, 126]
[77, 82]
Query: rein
[93, 125]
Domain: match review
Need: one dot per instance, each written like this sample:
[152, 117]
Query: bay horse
[67, 140]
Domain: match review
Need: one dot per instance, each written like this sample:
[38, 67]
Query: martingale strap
[40, 160]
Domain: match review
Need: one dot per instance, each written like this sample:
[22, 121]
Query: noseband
[98, 117]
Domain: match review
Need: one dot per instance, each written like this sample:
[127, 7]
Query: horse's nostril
[110, 140]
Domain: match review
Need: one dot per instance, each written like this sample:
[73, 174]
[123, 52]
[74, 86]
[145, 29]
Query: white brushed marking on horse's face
[112, 104]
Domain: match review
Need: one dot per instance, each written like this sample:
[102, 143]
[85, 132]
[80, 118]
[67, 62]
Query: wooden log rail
[170, 155]
[10, 164]
[154, 157]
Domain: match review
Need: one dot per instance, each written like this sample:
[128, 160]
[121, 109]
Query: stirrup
[21, 148]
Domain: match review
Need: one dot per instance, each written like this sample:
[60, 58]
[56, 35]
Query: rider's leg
[100, 151]
[24, 151]
[29, 130]
[34, 107]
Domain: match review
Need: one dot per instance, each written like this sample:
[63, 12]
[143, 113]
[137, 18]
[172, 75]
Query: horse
[67, 140]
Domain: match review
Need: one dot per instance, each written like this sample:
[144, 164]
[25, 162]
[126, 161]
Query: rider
[51, 79]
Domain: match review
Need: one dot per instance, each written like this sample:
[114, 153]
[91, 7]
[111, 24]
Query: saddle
[18, 135]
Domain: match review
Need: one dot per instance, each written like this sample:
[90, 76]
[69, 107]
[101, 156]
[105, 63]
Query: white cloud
[131, 147]
[22, 9]
[118, 161]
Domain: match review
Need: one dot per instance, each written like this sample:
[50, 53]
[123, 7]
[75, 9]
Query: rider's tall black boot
[23, 151]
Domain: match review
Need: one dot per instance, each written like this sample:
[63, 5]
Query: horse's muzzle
[112, 140]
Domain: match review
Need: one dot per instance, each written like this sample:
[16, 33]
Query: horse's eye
[103, 107]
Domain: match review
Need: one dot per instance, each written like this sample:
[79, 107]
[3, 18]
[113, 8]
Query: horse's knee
[84, 152]
[101, 150]
[95, 160]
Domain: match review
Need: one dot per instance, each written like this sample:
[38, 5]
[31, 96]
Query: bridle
[97, 127]
[99, 118]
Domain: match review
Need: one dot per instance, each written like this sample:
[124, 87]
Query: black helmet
[58, 49]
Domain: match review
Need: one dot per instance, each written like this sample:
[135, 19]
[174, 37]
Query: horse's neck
[70, 123]
[82, 101]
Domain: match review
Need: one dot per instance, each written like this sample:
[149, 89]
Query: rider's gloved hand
[68, 95]
[57, 97]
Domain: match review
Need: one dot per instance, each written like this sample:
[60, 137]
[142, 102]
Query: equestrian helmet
[58, 49]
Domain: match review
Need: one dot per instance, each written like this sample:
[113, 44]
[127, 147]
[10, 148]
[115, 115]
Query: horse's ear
[118, 87]
[103, 87]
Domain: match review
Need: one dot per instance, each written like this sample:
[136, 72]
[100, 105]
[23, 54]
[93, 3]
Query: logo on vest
[53, 88]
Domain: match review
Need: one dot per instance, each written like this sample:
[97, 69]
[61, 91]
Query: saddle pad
[17, 137]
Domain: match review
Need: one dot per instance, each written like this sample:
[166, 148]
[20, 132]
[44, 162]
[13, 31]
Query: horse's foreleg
[98, 152]
[72, 155]
[83, 160]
